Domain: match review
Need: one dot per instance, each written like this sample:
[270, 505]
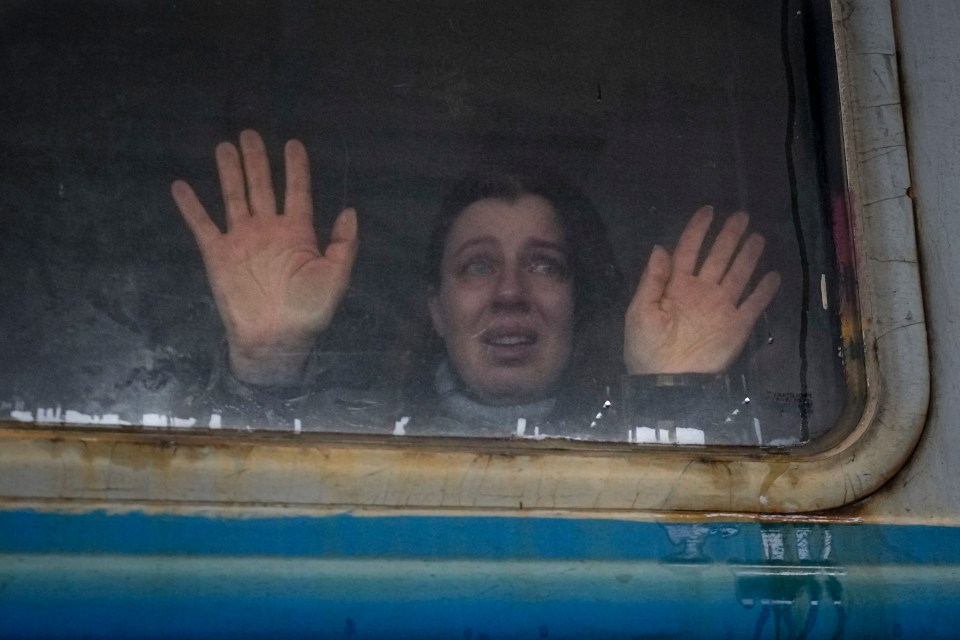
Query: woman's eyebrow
[472, 242]
[540, 243]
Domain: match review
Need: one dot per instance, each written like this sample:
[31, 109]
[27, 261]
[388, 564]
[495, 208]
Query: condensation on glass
[649, 110]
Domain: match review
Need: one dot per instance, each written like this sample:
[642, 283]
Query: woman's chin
[506, 392]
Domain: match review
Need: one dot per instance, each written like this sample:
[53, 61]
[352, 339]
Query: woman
[522, 286]
[509, 285]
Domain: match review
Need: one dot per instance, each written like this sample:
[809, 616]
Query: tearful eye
[549, 266]
[481, 266]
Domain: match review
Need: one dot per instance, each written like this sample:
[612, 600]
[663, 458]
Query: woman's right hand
[275, 291]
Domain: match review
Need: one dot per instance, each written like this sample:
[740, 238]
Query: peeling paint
[690, 436]
[58, 415]
[75, 417]
[773, 548]
[803, 544]
[155, 420]
[49, 416]
[679, 435]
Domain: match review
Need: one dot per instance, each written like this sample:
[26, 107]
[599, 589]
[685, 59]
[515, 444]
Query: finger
[718, 258]
[231, 184]
[298, 201]
[653, 281]
[203, 228]
[688, 247]
[761, 297]
[257, 167]
[343, 245]
[743, 266]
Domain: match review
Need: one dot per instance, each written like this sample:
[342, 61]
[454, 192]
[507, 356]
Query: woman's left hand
[686, 321]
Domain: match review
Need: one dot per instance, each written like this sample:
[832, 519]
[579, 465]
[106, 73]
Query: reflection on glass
[416, 259]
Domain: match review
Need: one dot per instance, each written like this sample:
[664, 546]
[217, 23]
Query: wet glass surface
[651, 109]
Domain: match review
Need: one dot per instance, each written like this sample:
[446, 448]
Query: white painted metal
[928, 490]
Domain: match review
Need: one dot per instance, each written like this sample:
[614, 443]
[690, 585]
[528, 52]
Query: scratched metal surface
[136, 576]
[929, 66]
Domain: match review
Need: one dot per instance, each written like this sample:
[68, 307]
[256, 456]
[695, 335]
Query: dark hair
[597, 281]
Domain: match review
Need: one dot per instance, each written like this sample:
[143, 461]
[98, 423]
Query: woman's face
[505, 304]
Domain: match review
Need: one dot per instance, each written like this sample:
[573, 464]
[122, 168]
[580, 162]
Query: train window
[450, 230]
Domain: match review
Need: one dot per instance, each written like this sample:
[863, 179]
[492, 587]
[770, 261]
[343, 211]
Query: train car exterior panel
[106, 535]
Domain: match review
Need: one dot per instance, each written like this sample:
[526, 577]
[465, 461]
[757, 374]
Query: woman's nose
[511, 289]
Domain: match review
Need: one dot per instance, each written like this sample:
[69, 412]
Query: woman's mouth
[509, 346]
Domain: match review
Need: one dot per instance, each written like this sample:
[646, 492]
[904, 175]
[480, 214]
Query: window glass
[567, 147]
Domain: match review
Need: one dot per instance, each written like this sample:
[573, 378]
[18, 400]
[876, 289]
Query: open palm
[274, 289]
[686, 321]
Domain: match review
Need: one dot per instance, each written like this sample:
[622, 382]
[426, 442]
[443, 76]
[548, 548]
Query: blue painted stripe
[154, 576]
[439, 537]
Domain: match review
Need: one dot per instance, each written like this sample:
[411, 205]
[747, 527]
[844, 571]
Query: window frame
[67, 468]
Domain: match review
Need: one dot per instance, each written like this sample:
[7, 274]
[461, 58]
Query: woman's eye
[479, 267]
[549, 266]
